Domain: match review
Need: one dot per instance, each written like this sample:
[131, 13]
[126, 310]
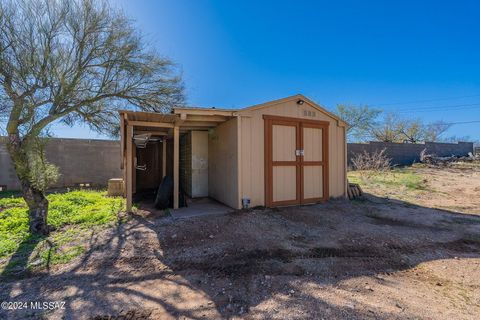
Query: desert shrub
[377, 161]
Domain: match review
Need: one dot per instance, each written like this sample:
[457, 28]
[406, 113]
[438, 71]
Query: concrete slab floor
[201, 207]
[196, 207]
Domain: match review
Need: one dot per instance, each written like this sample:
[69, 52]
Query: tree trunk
[36, 201]
[37, 208]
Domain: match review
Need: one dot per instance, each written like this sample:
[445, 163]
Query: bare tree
[394, 128]
[71, 61]
[388, 129]
[412, 131]
[434, 131]
[360, 119]
[416, 131]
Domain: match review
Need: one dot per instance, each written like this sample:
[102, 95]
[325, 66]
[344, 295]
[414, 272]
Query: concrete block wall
[8, 177]
[79, 161]
[408, 153]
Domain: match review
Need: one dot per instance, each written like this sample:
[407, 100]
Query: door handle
[299, 152]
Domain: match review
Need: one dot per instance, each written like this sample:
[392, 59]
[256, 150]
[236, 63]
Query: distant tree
[388, 129]
[71, 61]
[394, 128]
[434, 131]
[416, 131]
[412, 131]
[361, 120]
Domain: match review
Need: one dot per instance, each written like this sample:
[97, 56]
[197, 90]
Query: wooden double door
[296, 161]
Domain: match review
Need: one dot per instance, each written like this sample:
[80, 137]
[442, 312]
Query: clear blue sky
[421, 58]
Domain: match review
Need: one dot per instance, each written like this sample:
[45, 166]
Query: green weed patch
[72, 215]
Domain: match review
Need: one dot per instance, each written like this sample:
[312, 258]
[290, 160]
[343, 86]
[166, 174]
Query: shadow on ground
[275, 263]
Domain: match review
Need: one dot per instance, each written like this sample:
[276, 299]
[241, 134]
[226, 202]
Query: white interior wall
[199, 164]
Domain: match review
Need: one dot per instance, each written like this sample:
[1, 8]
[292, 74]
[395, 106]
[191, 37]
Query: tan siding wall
[222, 163]
[252, 149]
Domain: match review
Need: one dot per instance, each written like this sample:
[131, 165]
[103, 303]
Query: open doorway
[150, 167]
[153, 161]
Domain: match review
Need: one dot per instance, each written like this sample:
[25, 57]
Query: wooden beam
[176, 165]
[206, 118]
[179, 122]
[186, 129]
[153, 132]
[198, 124]
[164, 158]
[216, 112]
[129, 168]
[151, 124]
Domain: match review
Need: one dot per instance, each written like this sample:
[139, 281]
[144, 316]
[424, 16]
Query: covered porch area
[177, 148]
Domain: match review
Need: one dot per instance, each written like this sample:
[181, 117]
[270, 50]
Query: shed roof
[193, 115]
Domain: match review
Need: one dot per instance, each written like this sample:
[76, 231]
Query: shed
[285, 152]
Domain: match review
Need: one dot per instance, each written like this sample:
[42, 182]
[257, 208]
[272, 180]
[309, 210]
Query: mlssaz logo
[50, 305]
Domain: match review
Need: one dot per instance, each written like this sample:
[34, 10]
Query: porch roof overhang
[184, 118]
[135, 123]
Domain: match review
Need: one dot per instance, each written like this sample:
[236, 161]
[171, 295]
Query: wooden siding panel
[312, 182]
[253, 160]
[222, 164]
[284, 183]
[284, 143]
[312, 144]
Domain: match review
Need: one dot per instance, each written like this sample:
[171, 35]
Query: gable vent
[308, 113]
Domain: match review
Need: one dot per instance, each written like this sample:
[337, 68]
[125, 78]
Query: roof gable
[294, 97]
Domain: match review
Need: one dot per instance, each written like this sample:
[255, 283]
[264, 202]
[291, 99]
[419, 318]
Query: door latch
[299, 152]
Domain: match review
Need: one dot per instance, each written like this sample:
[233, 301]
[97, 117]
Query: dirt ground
[371, 259]
[455, 188]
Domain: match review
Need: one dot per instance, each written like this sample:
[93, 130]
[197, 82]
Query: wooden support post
[176, 160]
[164, 157]
[122, 142]
[134, 166]
[239, 162]
[129, 168]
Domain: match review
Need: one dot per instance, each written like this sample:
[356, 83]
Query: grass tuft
[397, 178]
